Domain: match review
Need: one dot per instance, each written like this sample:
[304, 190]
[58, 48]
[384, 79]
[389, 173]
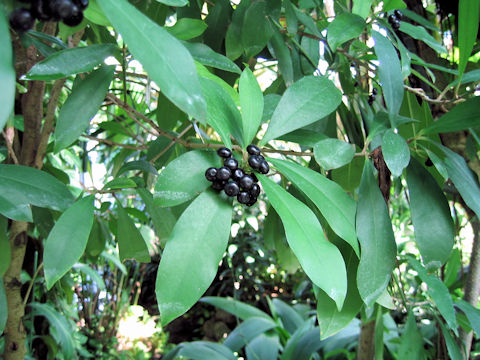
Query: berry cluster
[233, 180]
[68, 11]
[372, 96]
[394, 19]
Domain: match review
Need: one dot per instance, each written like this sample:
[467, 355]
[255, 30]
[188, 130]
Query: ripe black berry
[223, 173]
[396, 25]
[254, 161]
[218, 185]
[231, 188]
[374, 91]
[371, 99]
[237, 174]
[82, 4]
[392, 18]
[41, 11]
[74, 20]
[252, 201]
[211, 174]
[254, 190]
[253, 149]
[231, 163]
[21, 20]
[243, 197]
[63, 9]
[398, 14]
[264, 168]
[254, 177]
[246, 182]
[224, 152]
[428, 162]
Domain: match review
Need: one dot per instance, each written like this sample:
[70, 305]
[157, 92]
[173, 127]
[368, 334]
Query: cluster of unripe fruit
[394, 19]
[233, 180]
[70, 12]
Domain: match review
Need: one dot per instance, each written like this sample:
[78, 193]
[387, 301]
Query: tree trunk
[366, 341]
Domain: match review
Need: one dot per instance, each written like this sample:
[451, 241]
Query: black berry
[371, 99]
[252, 201]
[63, 9]
[396, 25]
[246, 182]
[254, 161]
[374, 91]
[218, 185]
[253, 149]
[243, 197]
[237, 174]
[254, 190]
[224, 152]
[41, 11]
[254, 177]
[428, 162]
[398, 14]
[21, 20]
[82, 4]
[74, 20]
[264, 168]
[211, 174]
[392, 18]
[223, 173]
[231, 163]
[231, 188]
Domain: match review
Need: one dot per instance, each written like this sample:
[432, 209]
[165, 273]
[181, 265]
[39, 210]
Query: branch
[421, 93]
[9, 143]
[112, 143]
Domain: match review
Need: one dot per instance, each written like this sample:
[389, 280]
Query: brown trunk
[366, 341]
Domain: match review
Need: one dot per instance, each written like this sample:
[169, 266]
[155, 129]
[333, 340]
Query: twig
[421, 93]
[112, 143]
[9, 144]
[30, 285]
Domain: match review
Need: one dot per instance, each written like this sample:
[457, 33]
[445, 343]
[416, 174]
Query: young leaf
[431, 217]
[411, 345]
[344, 27]
[251, 102]
[389, 72]
[395, 151]
[192, 257]
[70, 62]
[307, 100]
[305, 236]
[335, 205]
[175, 187]
[81, 106]
[67, 240]
[468, 14]
[163, 56]
[377, 242]
[237, 308]
[3, 307]
[131, 243]
[333, 153]
[7, 72]
[35, 186]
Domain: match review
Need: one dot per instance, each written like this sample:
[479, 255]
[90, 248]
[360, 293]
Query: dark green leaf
[67, 240]
[174, 187]
[419, 33]
[97, 239]
[81, 106]
[35, 186]
[251, 102]
[237, 308]
[192, 257]
[3, 306]
[349, 176]
[16, 207]
[163, 56]
[411, 345]
[233, 38]
[131, 243]
[247, 331]
[203, 350]
[120, 183]
[7, 72]
[344, 27]
[264, 347]
[281, 52]
[472, 313]
[377, 242]
[362, 7]
[468, 16]
[334, 204]
[307, 240]
[206, 56]
[333, 153]
[256, 29]
[186, 29]
[431, 217]
[138, 165]
[395, 151]
[300, 105]
[389, 72]
[70, 62]
[452, 346]
[92, 274]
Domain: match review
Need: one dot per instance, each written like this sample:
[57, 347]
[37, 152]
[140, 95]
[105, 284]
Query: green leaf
[204, 350]
[97, 239]
[93, 274]
[67, 240]
[223, 114]
[81, 106]
[438, 292]
[306, 101]
[163, 56]
[389, 72]
[468, 17]
[131, 243]
[306, 238]
[419, 33]
[233, 38]
[291, 319]
[237, 308]
[162, 218]
[192, 257]
[247, 331]
[302, 344]
[467, 77]
[95, 14]
[362, 7]
[411, 342]
[282, 53]
[344, 27]
[263, 347]
[251, 102]
[120, 183]
[186, 28]
[5, 251]
[7, 72]
[433, 224]
[206, 56]
[335, 205]
[377, 242]
[16, 207]
[63, 333]
[256, 29]
[70, 62]
[394, 4]
[138, 165]
[395, 151]
[174, 188]
[333, 153]
[36, 187]
[472, 313]
[349, 176]
[177, 3]
[3, 307]
[461, 117]
[452, 346]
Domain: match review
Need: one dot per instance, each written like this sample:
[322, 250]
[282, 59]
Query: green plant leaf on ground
[395, 152]
[67, 240]
[7, 72]
[377, 242]
[251, 102]
[164, 57]
[305, 237]
[432, 221]
[131, 243]
[333, 153]
[192, 258]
